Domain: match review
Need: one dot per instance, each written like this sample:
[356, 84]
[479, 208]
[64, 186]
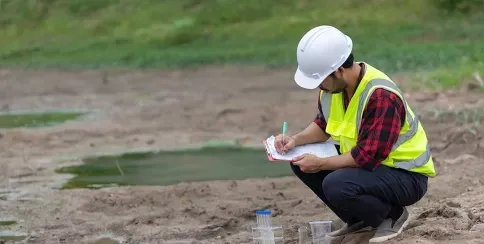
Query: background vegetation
[431, 39]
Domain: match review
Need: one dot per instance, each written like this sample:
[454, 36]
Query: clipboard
[320, 149]
[269, 155]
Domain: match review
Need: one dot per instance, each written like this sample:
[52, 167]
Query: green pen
[284, 131]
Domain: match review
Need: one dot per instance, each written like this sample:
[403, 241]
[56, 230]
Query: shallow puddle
[171, 167]
[4, 195]
[14, 120]
[12, 236]
[5, 222]
[106, 240]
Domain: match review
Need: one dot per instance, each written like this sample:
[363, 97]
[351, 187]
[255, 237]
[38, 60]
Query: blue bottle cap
[263, 212]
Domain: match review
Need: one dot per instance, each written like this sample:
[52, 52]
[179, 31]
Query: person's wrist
[321, 164]
[296, 139]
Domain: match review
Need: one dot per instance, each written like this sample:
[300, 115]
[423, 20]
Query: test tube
[303, 235]
[264, 218]
[264, 225]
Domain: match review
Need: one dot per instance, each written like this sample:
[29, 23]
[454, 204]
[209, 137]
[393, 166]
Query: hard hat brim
[307, 82]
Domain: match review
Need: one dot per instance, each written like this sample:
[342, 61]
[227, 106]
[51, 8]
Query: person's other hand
[308, 163]
[284, 146]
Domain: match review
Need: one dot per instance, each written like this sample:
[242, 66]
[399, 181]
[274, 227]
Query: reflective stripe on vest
[402, 138]
[325, 105]
[413, 122]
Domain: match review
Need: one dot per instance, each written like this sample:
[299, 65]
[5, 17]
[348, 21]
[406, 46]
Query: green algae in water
[12, 236]
[36, 119]
[171, 167]
[7, 222]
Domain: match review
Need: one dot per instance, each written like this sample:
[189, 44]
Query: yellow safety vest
[410, 152]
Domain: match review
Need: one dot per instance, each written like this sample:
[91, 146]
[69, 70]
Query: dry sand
[166, 109]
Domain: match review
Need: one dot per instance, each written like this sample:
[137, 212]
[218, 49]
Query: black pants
[356, 194]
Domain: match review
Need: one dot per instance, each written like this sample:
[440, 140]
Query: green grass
[35, 119]
[395, 35]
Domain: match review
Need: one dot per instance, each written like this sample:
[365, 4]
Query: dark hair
[347, 64]
[349, 61]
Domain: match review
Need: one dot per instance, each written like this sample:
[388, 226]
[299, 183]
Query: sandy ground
[168, 109]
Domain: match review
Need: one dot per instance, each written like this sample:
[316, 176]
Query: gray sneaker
[348, 229]
[386, 231]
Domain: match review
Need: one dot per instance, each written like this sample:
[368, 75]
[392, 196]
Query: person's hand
[308, 163]
[284, 146]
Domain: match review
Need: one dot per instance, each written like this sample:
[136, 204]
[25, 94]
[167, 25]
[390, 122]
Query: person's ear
[339, 73]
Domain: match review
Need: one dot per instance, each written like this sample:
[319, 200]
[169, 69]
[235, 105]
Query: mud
[155, 109]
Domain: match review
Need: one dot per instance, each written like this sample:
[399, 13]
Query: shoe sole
[364, 229]
[338, 233]
[388, 237]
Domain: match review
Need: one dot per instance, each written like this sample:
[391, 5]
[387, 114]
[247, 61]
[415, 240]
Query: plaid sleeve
[319, 120]
[382, 120]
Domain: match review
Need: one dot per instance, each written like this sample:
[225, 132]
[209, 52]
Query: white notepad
[320, 149]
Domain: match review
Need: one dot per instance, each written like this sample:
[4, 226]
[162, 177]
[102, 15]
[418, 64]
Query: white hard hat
[321, 51]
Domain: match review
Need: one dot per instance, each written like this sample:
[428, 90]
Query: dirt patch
[167, 109]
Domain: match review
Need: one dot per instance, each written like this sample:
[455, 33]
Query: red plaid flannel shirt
[382, 120]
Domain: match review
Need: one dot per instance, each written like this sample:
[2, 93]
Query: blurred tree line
[86, 6]
[460, 6]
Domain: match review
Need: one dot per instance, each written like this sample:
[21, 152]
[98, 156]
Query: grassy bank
[32, 120]
[397, 35]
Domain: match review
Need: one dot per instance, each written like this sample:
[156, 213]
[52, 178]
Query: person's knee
[338, 186]
[422, 185]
